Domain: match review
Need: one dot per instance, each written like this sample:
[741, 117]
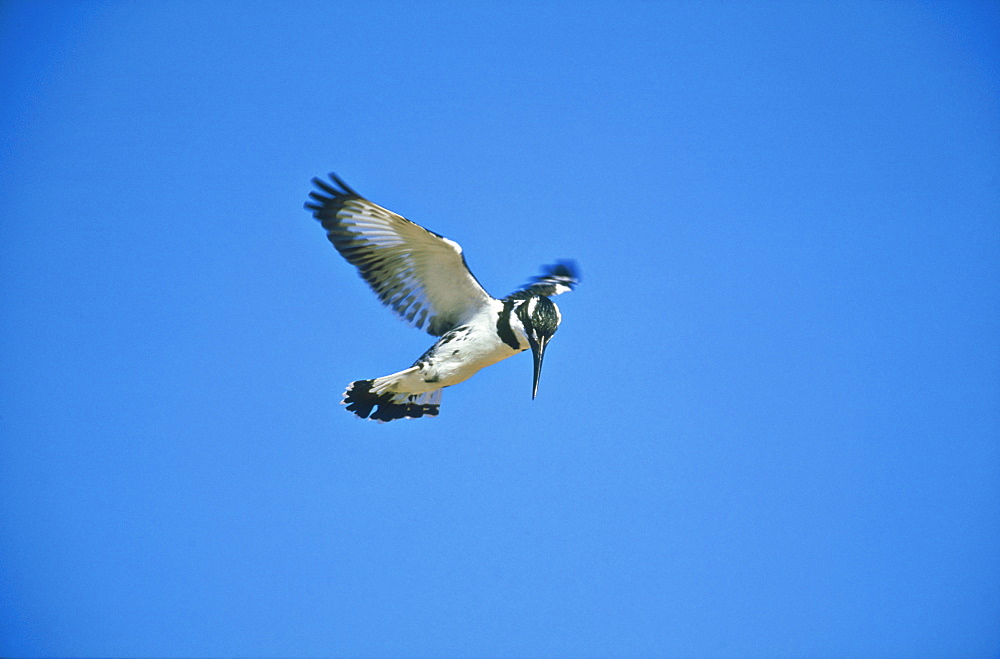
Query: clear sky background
[769, 425]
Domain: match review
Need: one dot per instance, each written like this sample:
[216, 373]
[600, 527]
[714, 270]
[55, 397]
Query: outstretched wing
[561, 277]
[419, 274]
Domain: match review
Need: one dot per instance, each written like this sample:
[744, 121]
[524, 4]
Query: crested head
[539, 315]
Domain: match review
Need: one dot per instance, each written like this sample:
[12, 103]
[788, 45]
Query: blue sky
[768, 426]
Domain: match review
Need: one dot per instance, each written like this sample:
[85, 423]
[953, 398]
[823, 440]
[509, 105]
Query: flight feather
[422, 276]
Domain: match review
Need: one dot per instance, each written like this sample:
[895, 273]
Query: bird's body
[423, 277]
[462, 352]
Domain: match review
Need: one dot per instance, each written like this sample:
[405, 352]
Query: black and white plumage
[422, 276]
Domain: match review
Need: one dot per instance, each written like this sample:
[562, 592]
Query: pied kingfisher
[423, 277]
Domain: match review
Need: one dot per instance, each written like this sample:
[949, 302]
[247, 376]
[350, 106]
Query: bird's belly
[449, 363]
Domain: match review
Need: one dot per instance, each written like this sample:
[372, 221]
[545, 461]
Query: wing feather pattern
[420, 275]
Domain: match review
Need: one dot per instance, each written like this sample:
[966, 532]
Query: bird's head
[540, 318]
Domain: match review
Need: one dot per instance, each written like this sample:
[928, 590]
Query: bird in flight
[422, 276]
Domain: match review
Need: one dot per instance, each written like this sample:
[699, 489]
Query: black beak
[537, 351]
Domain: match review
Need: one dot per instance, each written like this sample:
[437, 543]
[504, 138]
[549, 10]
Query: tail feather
[363, 396]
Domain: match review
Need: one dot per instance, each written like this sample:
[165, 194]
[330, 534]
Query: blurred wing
[561, 277]
[419, 274]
